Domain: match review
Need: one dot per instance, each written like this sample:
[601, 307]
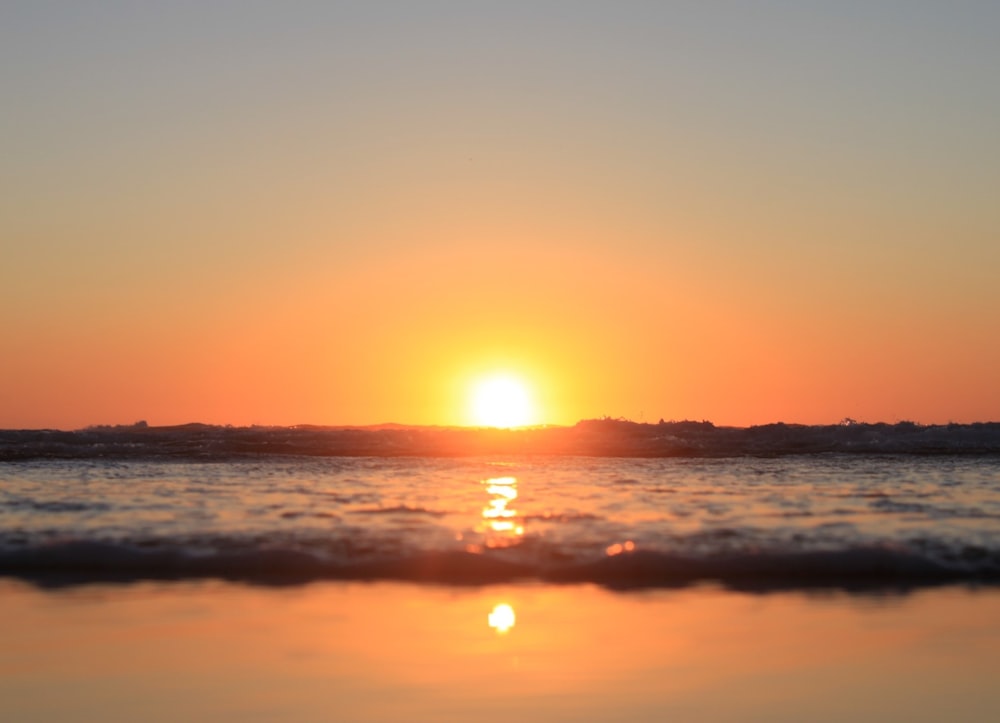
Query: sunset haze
[352, 213]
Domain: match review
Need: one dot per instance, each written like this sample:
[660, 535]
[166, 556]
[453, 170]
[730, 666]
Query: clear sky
[343, 213]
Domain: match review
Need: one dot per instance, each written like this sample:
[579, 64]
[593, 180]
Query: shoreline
[596, 438]
[374, 651]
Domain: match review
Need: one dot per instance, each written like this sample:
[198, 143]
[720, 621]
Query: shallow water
[839, 520]
[209, 650]
[824, 587]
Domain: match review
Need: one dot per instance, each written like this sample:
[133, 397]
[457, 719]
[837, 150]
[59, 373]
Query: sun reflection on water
[502, 618]
[500, 519]
[619, 547]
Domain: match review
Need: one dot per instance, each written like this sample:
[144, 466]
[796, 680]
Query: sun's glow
[502, 401]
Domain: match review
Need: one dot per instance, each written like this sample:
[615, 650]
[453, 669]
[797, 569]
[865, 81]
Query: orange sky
[346, 215]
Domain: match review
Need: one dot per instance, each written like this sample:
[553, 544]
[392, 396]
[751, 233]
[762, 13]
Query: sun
[501, 401]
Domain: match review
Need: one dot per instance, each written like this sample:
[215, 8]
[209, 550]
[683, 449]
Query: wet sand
[393, 651]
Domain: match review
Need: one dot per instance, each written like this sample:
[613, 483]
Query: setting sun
[502, 401]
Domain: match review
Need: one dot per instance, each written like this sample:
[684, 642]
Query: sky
[347, 213]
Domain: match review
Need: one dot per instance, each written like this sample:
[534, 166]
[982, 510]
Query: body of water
[830, 519]
[206, 582]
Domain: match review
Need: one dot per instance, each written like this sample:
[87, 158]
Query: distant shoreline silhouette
[594, 437]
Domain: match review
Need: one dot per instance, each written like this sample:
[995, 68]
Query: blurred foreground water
[352, 651]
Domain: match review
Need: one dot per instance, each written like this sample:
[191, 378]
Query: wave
[861, 568]
[602, 438]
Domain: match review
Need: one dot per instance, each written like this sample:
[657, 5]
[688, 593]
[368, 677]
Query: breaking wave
[852, 568]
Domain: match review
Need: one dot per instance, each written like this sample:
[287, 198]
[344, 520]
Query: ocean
[151, 551]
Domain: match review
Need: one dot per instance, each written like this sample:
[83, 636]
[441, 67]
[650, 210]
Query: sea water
[141, 583]
[796, 520]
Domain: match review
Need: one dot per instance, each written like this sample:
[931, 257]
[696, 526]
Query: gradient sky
[341, 213]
